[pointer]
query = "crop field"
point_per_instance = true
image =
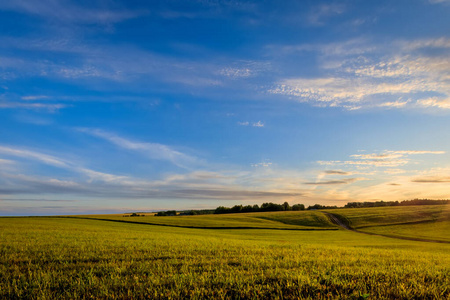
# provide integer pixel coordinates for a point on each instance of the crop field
(251, 257)
(269, 220)
(420, 222)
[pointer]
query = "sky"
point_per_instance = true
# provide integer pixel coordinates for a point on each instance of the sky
(120, 106)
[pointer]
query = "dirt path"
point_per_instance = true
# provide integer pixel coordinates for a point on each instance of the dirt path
(336, 220)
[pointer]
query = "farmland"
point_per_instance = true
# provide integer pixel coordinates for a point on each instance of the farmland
(281, 255)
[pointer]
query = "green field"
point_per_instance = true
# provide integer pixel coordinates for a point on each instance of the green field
(304, 220)
(81, 258)
(421, 222)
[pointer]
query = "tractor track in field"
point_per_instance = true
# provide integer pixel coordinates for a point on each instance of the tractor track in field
(336, 219)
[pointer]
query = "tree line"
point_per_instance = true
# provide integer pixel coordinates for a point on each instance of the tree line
(396, 203)
(270, 206)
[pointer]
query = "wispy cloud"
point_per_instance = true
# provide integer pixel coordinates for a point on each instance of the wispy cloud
(6, 161)
(320, 13)
(68, 11)
(27, 154)
(387, 158)
(122, 64)
(264, 164)
(368, 77)
(35, 97)
(435, 102)
(151, 150)
(49, 107)
(244, 69)
(56, 162)
(253, 124)
(439, 1)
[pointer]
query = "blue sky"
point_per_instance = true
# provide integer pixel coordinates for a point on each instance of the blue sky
(115, 106)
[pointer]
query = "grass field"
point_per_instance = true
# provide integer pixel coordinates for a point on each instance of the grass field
(376, 216)
(67, 258)
(271, 220)
(422, 222)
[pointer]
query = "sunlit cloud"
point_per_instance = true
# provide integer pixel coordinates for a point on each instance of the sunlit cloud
(432, 179)
(258, 124)
(435, 102)
(387, 158)
(337, 172)
(394, 171)
(332, 182)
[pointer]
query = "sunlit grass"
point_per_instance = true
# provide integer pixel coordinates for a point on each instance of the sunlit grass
(48, 258)
(279, 220)
(436, 230)
(375, 216)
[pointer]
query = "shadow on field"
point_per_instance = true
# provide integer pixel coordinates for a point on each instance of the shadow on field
(200, 227)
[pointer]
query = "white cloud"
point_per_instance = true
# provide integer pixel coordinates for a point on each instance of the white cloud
(100, 176)
(369, 77)
(320, 13)
(57, 162)
(50, 107)
(435, 102)
(151, 150)
(6, 161)
(334, 182)
(67, 11)
(439, 1)
(442, 42)
(396, 104)
(387, 158)
(236, 72)
(244, 69)
(258, 124)
(246, 123)
(32, 98)
(264, 164)
(47, 159)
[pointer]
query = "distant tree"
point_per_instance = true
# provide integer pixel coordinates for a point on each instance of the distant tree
(318, 206)
(271, 207)
(286, 206)
(222, 210)
(298, 207)
(166, 213)
(236, 209)
(247, 208)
